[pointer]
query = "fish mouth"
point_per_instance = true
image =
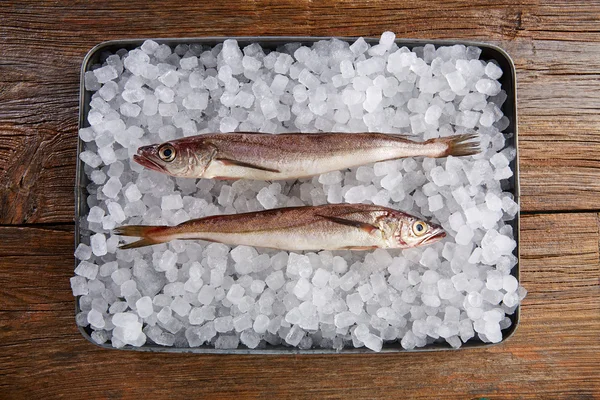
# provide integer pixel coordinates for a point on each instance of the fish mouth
(439, 235)
(146, 162)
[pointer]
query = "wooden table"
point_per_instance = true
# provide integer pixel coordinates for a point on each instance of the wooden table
(555, 352)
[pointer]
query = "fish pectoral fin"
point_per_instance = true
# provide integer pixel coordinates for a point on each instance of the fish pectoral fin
(228, 161)
(357, 224)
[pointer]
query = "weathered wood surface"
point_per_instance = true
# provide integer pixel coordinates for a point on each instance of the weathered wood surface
(556, 350)
(554, 46)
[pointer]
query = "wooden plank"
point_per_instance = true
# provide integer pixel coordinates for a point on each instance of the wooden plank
(30, 274)
(551, 20)
(558, 91)
(553, 354)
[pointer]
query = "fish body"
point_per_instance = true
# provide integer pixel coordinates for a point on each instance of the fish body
(288, 156)
(327, 227)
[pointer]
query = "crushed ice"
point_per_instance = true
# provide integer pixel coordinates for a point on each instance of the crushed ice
(194, 293)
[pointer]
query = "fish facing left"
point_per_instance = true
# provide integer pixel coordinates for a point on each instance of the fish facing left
(327, 227)
(263, 156)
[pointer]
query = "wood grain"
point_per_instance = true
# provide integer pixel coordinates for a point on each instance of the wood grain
(34, 262)
(554, 352)
(554, 46)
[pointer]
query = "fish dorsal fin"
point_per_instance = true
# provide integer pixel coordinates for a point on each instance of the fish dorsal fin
(399, 136)
(228, 161)
(357, 224)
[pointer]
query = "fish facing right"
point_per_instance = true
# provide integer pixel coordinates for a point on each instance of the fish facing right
(327, 227)
(262, 156)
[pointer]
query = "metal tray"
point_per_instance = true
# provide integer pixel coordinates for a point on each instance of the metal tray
(489, 52)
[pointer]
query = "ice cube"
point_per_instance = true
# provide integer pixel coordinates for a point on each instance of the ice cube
(433, 113)
(331, 178)
(409, 341)
(340, 265)
(171, 202)
(87, 270)
(308, 79)
(224, 324)
(456, 81)
(446, 289)
(90, 158)
(430, 277)
(344, 319)
(266, 198)
(106, 73)
(373, 98)
(279, 84)
(79, 286)
(499, 161)
(373, 342)
(96, 319)
(349, 280)
(509, 283)
(196, 101)
(356, 194)
(294, 336)
(112, 187)
(493, 71)
(494, 280)
(321, 277)
(165, 94)
(510, 299)
(365, 174)
(417, 124)
(180, 306)
(227, 342)
(435, 203)
(250, 339)
(488, 87)
(464, 235)
(242, 322)
(431, 300)
(261, 323)
(206, 294)
(235, 293)
(98, 244)
(302, 288)
(275, 280)
(83, 252)
(492, 296)
(189, 63)
(144, 307)
(355, 303)
(242, 254)
(283, 63)
(132, 193)
(359, 46)
(378, 283)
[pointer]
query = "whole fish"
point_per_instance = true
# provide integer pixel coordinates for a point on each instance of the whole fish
(327, 227)
(289, 156)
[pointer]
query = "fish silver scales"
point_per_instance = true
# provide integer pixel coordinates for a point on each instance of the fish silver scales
(289, 156)
(327, 227)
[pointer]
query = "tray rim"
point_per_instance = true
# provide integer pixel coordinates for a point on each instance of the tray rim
(274, 40)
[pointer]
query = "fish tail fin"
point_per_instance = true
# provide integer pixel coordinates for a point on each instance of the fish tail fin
(148, 235)
(460, 145)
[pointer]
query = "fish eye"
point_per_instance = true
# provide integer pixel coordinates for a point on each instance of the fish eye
(166, 153)
(419, 228)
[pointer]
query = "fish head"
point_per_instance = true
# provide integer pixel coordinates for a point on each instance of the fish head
(181, 158)
(409, 231)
